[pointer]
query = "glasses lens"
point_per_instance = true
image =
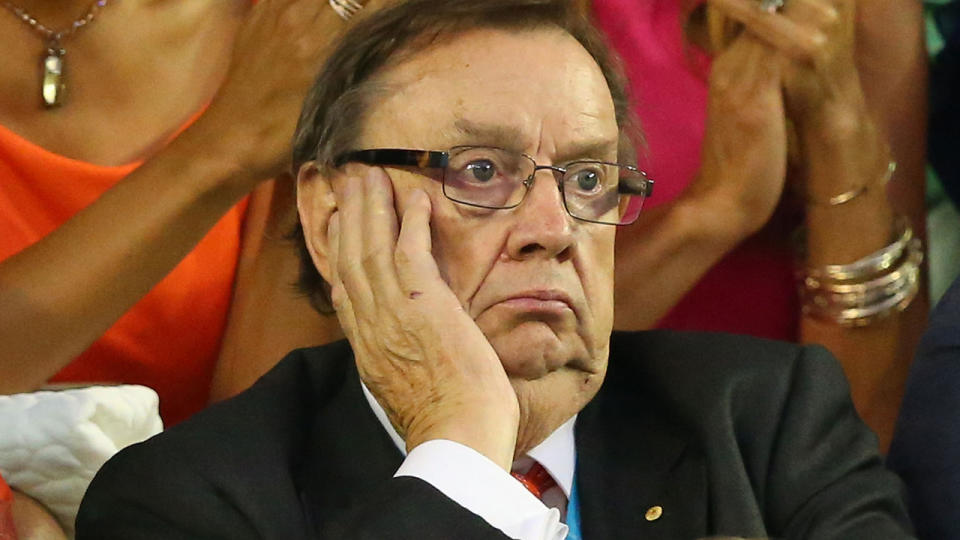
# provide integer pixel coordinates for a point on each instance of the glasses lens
(634, 189)
(485, 176)
(603, 192)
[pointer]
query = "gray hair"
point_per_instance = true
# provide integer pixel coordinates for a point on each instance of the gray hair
(334, 112)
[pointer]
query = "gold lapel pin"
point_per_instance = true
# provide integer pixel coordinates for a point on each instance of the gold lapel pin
(654, 513)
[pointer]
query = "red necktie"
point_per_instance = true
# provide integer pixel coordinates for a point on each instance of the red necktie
(537, 480)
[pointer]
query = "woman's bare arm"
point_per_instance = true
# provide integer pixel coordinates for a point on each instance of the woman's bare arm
(60, 294)
(268, 317)
(892, 64)
(842, 147)
(33, 521)
(740, 181)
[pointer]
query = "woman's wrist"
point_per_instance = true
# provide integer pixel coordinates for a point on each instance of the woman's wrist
(835, 116)
(843, 155)
(216, 166)
(709, 221)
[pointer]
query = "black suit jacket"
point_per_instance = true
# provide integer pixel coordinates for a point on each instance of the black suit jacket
(926, 444)
(729, 435)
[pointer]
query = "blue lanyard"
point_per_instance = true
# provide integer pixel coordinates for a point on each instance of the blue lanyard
(573, 513)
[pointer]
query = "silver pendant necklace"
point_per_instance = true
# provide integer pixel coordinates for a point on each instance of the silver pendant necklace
(52, 84)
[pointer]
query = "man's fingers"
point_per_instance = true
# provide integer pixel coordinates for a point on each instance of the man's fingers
(416, 268)
(797, 41)
(380, 230)
(338, 295)
(349, 191)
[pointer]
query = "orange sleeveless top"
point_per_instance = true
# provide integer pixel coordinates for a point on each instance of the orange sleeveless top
(169, 340)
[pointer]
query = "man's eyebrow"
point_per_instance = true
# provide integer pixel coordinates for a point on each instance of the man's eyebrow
(601, 149)
(506, 137)
(511, 138)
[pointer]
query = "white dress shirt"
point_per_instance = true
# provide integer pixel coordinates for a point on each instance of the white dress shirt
(478, 484)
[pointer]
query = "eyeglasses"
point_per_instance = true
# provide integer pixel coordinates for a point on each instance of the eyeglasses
(494, 178)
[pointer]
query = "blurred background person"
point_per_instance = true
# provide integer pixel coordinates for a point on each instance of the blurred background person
(132, 134)
(926, 444)
(721, 230)
(123, 201)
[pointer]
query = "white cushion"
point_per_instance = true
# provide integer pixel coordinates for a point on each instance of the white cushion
(53, 442)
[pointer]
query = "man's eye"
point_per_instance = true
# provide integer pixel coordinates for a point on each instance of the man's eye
(481, 170)
(586, 180)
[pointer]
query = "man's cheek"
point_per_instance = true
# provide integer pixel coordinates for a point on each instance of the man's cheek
(453, 249)
(441, 245)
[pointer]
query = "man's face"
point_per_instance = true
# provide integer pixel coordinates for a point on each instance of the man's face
(538, 283)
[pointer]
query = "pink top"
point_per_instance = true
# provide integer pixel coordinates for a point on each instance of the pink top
(752, 290)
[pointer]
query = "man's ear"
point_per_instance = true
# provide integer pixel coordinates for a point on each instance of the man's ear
(316, 204)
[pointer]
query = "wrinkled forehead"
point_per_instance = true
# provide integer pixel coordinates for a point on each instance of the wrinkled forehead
(534, 90)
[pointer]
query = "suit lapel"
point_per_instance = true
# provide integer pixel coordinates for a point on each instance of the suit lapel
(349, 454)
(630, 458)
(636, 475)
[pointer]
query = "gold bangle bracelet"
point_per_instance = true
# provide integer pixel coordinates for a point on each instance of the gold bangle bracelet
(858, 317)
(848, 196)
(871, 265)
(869, 289)
(857, 295)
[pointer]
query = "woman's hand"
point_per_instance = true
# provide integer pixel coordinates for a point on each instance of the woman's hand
(816, 39)
(277, 54)
(118, 248)
(744, 152)
(738, 186)
(416, 349)
(823, 85)
(844, 151)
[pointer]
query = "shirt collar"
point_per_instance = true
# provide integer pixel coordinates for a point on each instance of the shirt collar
(557, 453)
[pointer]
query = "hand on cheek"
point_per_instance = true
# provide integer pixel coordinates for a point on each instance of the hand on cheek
(419, 353)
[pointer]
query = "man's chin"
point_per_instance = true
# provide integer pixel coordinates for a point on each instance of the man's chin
(533, 349)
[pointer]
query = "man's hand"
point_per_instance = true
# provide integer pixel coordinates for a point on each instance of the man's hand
(417, 350)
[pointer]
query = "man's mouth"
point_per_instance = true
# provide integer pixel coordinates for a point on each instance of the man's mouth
(546, 301)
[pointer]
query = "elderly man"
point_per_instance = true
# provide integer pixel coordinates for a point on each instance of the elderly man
(460, 182)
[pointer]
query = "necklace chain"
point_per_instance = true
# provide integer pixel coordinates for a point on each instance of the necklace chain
(52, 82)
(54, 37)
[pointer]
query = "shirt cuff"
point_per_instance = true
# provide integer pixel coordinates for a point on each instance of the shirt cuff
(478, 484)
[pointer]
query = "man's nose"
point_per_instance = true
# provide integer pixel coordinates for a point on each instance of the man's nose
(542, 225)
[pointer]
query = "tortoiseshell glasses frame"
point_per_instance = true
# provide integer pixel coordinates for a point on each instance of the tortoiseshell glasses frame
(489, 177)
